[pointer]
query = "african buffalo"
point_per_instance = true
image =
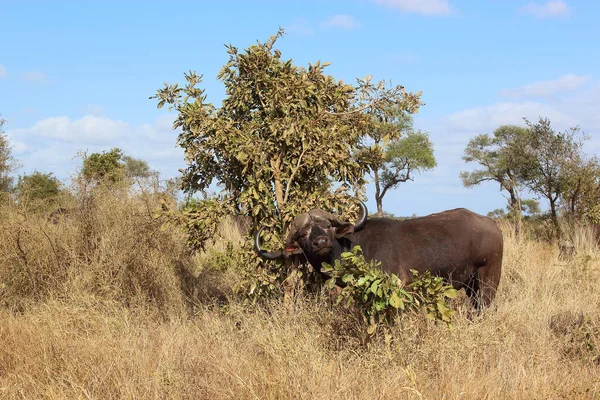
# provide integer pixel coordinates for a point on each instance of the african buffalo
(463, 247)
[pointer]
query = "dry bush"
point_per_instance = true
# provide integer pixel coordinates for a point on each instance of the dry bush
(98, 330)
(111, 245)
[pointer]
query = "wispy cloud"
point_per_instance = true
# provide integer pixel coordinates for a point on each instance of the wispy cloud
(3, 72)
(34, 77)
(87, 129)
(565, 83)
(486, 119)
(550, 9)
(341, 21)
(50, 144)
(423, 7)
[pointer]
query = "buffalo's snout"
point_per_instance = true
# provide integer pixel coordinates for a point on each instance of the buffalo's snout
(321, 242)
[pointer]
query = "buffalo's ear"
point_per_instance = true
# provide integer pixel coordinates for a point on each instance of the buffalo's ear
(291, 249)
(343, 230)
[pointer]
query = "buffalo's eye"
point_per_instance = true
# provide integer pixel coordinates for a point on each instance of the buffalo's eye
(303, 233)
(325, 226)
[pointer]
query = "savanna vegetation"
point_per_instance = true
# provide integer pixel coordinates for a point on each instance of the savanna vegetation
(131, 291)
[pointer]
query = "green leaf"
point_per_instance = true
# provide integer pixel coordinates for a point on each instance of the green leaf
(451, 293)
(395, 301)
(374, 286)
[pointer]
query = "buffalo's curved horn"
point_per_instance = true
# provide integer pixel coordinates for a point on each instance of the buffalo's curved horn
(362, 219)
(265, 254)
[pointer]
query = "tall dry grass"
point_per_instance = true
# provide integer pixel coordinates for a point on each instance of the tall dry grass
(109, 305)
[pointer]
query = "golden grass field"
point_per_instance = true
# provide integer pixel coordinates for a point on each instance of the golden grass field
(109, 305)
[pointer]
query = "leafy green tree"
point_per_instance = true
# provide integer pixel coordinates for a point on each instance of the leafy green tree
(7, 162)
(394, 152)
(529, 208)
(281, 142)
(114, 167)
(502, 158)
(403, 159)
(282, 139)
(136, 168)
(581, 198)
(38, 189)
(551, 159)
(106, 167)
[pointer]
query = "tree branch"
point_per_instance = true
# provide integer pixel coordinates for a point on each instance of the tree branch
(294, 171)
(355, 111)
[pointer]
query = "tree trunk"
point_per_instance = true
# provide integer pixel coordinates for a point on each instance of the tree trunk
(378, 196)
(515, 205)
(275, 164)
(554, 215)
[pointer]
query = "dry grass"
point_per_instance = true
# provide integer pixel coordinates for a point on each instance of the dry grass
(96, 308)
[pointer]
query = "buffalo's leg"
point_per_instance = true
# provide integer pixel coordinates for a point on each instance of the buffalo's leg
(485, 284)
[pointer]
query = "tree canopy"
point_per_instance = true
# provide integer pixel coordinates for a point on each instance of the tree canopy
(550, 164)
(502, 157)
(38, 190)
(113, 167)
(282, 141)
(552, 161)
(393, 152)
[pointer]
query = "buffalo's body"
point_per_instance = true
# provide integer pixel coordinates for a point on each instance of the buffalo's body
(459, 245)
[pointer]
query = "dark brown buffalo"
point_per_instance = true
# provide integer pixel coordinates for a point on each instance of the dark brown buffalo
(463, 247)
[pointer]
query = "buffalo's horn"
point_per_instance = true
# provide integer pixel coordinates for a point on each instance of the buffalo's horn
(265, 254)
(362, 219)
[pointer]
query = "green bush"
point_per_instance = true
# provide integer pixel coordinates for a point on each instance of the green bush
(381, 295)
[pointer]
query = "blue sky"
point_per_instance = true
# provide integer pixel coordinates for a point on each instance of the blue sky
(76, 76)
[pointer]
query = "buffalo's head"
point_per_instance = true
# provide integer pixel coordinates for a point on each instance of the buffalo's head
(315, 235)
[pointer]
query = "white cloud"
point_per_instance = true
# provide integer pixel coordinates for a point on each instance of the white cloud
(50, 145)
(299, 26)
(34, 77)
(424, 7)
(3, 72)
(486, 119)
(88, 129)
(565, 83)
(342, 21)
(550, 9)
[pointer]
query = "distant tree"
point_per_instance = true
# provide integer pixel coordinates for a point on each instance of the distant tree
(503, 158)
(106, 167)
(38, 189)
(529, 208)
(403, 159)
(393, 152)
(7, 163)
(498, 213)
(113, 167)
(552, 157)
(136, 168)
(581, 197)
